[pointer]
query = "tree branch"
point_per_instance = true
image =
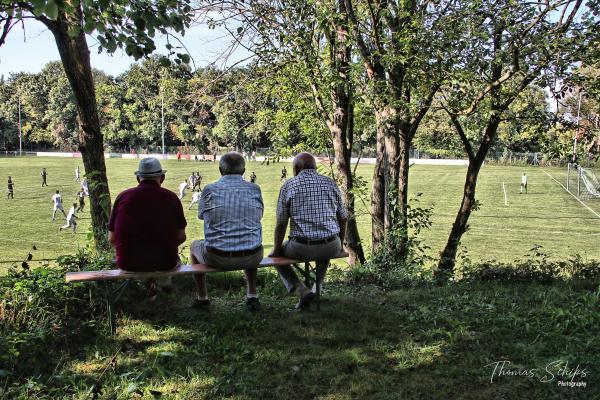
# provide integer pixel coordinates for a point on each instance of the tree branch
(462, 135)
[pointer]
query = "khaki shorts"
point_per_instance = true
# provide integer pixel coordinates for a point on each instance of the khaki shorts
(198, 249)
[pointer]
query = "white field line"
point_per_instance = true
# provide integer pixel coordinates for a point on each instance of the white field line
(575, 197)
(505, 196)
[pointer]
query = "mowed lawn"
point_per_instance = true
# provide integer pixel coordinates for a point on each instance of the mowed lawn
(546, 216)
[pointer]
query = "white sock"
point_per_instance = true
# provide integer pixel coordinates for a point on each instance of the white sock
(202, 297)
(251, 296)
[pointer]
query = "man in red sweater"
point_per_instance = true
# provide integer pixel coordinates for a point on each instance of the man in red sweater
(147, 223)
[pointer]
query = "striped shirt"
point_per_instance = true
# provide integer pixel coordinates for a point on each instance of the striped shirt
(232, 209)
(313, 204)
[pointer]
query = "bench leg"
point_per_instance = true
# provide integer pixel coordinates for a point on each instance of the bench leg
(320, 271)
(111, 297)
(108, 297)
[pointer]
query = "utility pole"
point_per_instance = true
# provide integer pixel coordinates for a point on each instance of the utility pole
(20, 136)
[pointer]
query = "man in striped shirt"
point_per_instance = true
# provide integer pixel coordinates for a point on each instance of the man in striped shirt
(312, 203)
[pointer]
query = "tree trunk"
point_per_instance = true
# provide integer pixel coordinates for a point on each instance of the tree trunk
(341, 127)
(344, 167)
(391, 163)
(404, 157)
(378, 188)
(448, 255)
(75, 58)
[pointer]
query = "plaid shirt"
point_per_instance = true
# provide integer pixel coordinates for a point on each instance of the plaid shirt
(232, 209)
(313, 203)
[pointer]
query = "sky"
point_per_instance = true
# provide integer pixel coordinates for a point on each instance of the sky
(30, 49)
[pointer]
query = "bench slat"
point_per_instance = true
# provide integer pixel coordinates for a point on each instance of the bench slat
(186, 269)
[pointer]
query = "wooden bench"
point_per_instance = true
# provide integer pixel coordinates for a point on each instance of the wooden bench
(107, 277)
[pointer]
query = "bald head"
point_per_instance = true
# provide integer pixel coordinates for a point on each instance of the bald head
(304, 161)
(232, 163)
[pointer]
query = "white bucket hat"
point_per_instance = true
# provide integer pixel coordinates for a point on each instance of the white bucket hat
(149, 167)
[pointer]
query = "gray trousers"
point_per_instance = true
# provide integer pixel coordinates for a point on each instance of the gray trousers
(226, 263)
(322, 253)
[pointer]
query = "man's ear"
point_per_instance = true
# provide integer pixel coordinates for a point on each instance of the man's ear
(162, 178)
(243, 171)
(221, 171)
(138, 179)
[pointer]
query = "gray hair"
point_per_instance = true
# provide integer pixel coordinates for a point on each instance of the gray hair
(232, 163)
(304, 161)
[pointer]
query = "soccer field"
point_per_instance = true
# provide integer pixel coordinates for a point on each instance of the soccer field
(504, 228)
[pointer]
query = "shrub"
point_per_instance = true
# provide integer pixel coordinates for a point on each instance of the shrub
(40, 314)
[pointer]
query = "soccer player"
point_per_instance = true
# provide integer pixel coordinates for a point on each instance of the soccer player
(195, 198)
(182, 186)
(70, 219)
(84, 187)
(81, 198)
(253, 177)
(198, 181)
(283, 174)
(77, 175)
(11, 185)
(523, 183)
(192, 181)
(57, 201)
(44, 175)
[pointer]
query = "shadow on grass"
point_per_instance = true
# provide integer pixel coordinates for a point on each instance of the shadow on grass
(430, 343)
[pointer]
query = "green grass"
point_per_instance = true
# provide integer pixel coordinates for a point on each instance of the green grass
(365, 343)
(546, 216)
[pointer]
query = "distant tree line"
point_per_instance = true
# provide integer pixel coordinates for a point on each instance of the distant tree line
(240, 108)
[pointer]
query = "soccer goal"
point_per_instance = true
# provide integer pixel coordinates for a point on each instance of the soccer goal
(582, 182)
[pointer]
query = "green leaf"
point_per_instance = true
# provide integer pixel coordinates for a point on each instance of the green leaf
(51, 10)
(89, 26)
(185, 58)
(164, 62)
(38, 4)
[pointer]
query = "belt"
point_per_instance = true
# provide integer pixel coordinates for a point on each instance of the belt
(238, 253)
(314, 241)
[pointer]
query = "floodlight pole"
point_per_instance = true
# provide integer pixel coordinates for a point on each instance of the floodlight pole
(162, 120)
(577, 126)
(20, 136)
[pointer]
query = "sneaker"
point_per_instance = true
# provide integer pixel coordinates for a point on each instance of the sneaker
(305, 301)
(252, 304)
(200, 304)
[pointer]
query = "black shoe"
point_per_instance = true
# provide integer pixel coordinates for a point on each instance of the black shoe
(252, 304)
(200, 304)
(305, 301)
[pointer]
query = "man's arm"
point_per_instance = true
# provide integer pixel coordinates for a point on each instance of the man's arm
(342, 223)
(281, 221)
(180, 236)
(278, 237)
(111, 237)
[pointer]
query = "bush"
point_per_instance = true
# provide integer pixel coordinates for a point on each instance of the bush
(40, 314)
(387, 266)
(534, 267)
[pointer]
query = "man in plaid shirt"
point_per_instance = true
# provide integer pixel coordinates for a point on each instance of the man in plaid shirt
(312, 203)
(231, 209)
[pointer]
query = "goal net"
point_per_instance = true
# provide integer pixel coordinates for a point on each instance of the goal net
(582, 182)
